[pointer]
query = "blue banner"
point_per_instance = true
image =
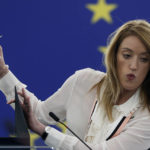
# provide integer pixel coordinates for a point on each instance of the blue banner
(45, 41)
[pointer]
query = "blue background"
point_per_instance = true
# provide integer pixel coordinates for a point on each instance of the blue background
(45, 41)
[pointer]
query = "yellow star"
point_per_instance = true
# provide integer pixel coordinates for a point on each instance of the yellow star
(62, 127)
(101, 10)
(102, 49)
(33, 137)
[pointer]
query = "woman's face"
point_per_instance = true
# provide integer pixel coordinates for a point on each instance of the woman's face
(133, 63)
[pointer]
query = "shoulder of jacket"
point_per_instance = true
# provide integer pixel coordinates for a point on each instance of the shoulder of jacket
(90, 72)
(88, 77)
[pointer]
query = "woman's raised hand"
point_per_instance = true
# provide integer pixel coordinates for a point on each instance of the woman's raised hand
(3, 66)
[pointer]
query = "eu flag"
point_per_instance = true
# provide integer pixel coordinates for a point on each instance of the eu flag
(45, 41)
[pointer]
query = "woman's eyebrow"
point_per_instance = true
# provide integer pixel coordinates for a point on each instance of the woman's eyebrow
(127, 49)
(130, 50)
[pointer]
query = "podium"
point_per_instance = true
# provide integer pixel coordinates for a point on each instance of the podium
(22, 137)
(21, 140)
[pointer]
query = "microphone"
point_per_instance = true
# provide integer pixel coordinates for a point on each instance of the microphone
(57, 120)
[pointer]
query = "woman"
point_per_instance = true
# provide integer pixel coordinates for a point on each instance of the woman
(108, 111)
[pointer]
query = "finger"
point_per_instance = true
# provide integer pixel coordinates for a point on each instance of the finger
(1, 55)
(1, 52)
(26, 108)
(23, 91)
(26, 98)
(25, 95)
(11, 101)
(22, 105)
(26, 103)
(21, 94)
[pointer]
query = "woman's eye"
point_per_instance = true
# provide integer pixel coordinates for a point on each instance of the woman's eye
(126, 56)
(144, 59)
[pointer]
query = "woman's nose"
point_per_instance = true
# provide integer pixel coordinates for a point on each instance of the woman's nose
(134, 64)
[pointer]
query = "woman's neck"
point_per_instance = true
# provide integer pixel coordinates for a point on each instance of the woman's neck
(124, 96)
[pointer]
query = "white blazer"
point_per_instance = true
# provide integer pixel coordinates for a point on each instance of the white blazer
(73, 103)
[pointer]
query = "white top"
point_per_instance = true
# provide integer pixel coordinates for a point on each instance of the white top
(73, 102)
(99, 120)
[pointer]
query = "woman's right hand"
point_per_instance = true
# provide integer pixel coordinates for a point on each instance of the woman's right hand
(32, 122)
(3, 67)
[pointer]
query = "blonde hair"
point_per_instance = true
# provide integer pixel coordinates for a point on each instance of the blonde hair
(141, 29)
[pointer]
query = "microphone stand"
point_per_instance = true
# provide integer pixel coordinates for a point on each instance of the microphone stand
(57, 120)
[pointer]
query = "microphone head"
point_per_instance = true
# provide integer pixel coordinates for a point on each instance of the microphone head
(54, 116)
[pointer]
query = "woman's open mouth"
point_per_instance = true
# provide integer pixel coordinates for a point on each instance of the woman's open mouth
(130, 76)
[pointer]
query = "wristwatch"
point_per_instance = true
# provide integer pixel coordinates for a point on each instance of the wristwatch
(46, 132)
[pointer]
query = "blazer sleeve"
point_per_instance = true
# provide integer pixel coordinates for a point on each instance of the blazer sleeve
(55, 103)
(59, 101)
